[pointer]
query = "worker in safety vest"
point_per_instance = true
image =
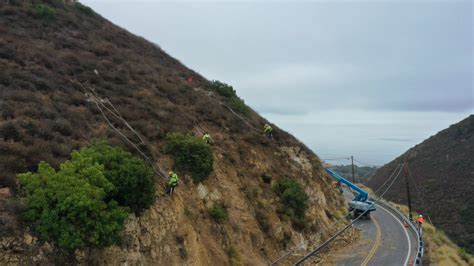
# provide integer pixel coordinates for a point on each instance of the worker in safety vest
(268, 130)
(420, 220)
(172, 182)
(206, 138)
(337, 185)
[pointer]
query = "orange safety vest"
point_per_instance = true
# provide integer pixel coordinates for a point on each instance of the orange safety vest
(421, 220)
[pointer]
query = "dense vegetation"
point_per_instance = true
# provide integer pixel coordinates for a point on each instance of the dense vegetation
(191, 154)
(45, 12)
(218, 212)
(86, 201)
(293, 198)
(132, 178)
(227, 91)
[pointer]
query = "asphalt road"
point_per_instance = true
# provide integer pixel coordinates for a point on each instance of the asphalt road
(384, 241)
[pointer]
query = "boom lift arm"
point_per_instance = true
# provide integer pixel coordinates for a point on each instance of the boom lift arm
(360, 204)
(362, 194)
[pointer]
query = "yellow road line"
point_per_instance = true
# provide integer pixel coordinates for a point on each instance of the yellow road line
(378, 238)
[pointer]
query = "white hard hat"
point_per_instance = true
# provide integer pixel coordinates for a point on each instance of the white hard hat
(420, 215)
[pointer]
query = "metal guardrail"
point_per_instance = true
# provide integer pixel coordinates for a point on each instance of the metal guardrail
(375, 201)
(418, 232)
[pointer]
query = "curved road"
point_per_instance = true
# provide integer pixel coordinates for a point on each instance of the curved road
(384, 241)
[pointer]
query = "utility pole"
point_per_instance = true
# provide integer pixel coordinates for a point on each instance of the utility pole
(352, 161)
(408, 192)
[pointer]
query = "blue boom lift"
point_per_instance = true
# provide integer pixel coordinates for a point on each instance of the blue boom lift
(360, 203)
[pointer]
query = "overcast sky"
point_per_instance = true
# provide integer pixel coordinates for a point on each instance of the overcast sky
(369, 78)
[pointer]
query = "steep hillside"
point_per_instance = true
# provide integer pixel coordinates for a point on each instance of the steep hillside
(55, 55)
(441, 181)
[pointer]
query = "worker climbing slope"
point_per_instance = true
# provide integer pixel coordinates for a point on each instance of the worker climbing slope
(207, 138)
(172, 182)
(268, 130)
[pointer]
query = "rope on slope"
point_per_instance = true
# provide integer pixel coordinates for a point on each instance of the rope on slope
(92, 97)
(231, 110)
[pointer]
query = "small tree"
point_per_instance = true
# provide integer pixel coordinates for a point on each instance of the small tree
(68, 206)
(225, 90)
(191, 154)
(9, 132)
(84, 9)
(218, 213)
(45, 12)
(293, 197)
(132, 179)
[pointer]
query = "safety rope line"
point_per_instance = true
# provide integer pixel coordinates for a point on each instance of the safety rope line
(116, 113)
(328, 241)
(230, 109)
(94, 98)
(330, 227)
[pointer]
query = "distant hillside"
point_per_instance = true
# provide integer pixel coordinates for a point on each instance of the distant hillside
(361, 173)
(442, 182)
(55, 54)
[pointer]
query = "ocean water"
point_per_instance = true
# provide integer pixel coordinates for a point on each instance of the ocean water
(373, 138)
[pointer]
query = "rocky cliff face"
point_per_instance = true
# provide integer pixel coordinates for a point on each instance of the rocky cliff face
(47, 62)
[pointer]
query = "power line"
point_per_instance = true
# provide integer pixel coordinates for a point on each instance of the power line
(332, 159)
(304, 243)
(366, 164)
(328, 241)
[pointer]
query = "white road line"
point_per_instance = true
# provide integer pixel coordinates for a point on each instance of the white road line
(406, 233)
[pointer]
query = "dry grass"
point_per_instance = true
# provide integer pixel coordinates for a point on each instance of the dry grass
(441, 170)
(46, 116)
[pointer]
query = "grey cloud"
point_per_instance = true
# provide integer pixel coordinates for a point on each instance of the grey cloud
(364, 55)
(288, 59)
(401, 139)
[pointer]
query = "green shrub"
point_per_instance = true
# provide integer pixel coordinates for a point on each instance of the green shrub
(69, 208)
(239, 105)
(84, 9)
(45, 12)
(234, 257)
(9, 132)
(262, 219)
(293, 197)
(225, 90)
(464, 255)
(86, 201)
(191, 154)
(133, 182)
(218, 213)
(266, 178)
